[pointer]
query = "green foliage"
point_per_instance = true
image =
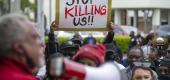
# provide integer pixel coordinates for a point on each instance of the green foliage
(46, 38)
(122, 41)
(26, 4)
(1, 2)
(62, 39)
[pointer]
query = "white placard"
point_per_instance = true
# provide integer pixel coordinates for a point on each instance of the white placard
(82, 14)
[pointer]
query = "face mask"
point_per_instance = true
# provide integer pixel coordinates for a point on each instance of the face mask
(160, 47)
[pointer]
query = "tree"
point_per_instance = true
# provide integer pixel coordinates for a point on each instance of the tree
(27, 7)
(28, 4)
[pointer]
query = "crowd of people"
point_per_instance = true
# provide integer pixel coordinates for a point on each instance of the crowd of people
(24, 55)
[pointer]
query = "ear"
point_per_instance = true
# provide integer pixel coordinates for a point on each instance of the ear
(18, 48)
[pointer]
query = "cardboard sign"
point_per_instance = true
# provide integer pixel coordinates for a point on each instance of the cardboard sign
(83, 15)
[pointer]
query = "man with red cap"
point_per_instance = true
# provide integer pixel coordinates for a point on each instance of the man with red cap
(91, 55)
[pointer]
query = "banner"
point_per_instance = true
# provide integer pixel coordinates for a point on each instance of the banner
(83, 15)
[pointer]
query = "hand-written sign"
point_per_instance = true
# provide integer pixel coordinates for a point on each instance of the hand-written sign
(82, 14)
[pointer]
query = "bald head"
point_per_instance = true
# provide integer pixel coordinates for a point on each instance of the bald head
(11, 30)
(135, 54)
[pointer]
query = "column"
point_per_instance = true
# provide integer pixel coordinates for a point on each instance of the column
(117, 17)
(135, 21)
(156, 18)
(15, 6)
(127, 18)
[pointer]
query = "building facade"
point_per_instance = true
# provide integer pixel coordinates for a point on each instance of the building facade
(143, 14)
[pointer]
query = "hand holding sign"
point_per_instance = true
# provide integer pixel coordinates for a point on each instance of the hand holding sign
(82, 14)
(54, 26)
(111, 25)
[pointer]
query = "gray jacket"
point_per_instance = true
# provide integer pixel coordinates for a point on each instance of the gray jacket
(126, 73)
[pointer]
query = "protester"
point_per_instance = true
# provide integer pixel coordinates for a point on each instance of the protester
(21, 48)
(135, 54)
(168, 51)
(77, 39)
(112, 56)
(69, 48)
(164, 69)
(154, 59)
(160, 45)
(139, 39)
(132, 41)
(52, 45)
(142, 73)
(109, 40)
(91, 55)
(77, 35)
(147, 44)
(90, 40)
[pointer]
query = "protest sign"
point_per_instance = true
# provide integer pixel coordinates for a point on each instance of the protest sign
(83, 15)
